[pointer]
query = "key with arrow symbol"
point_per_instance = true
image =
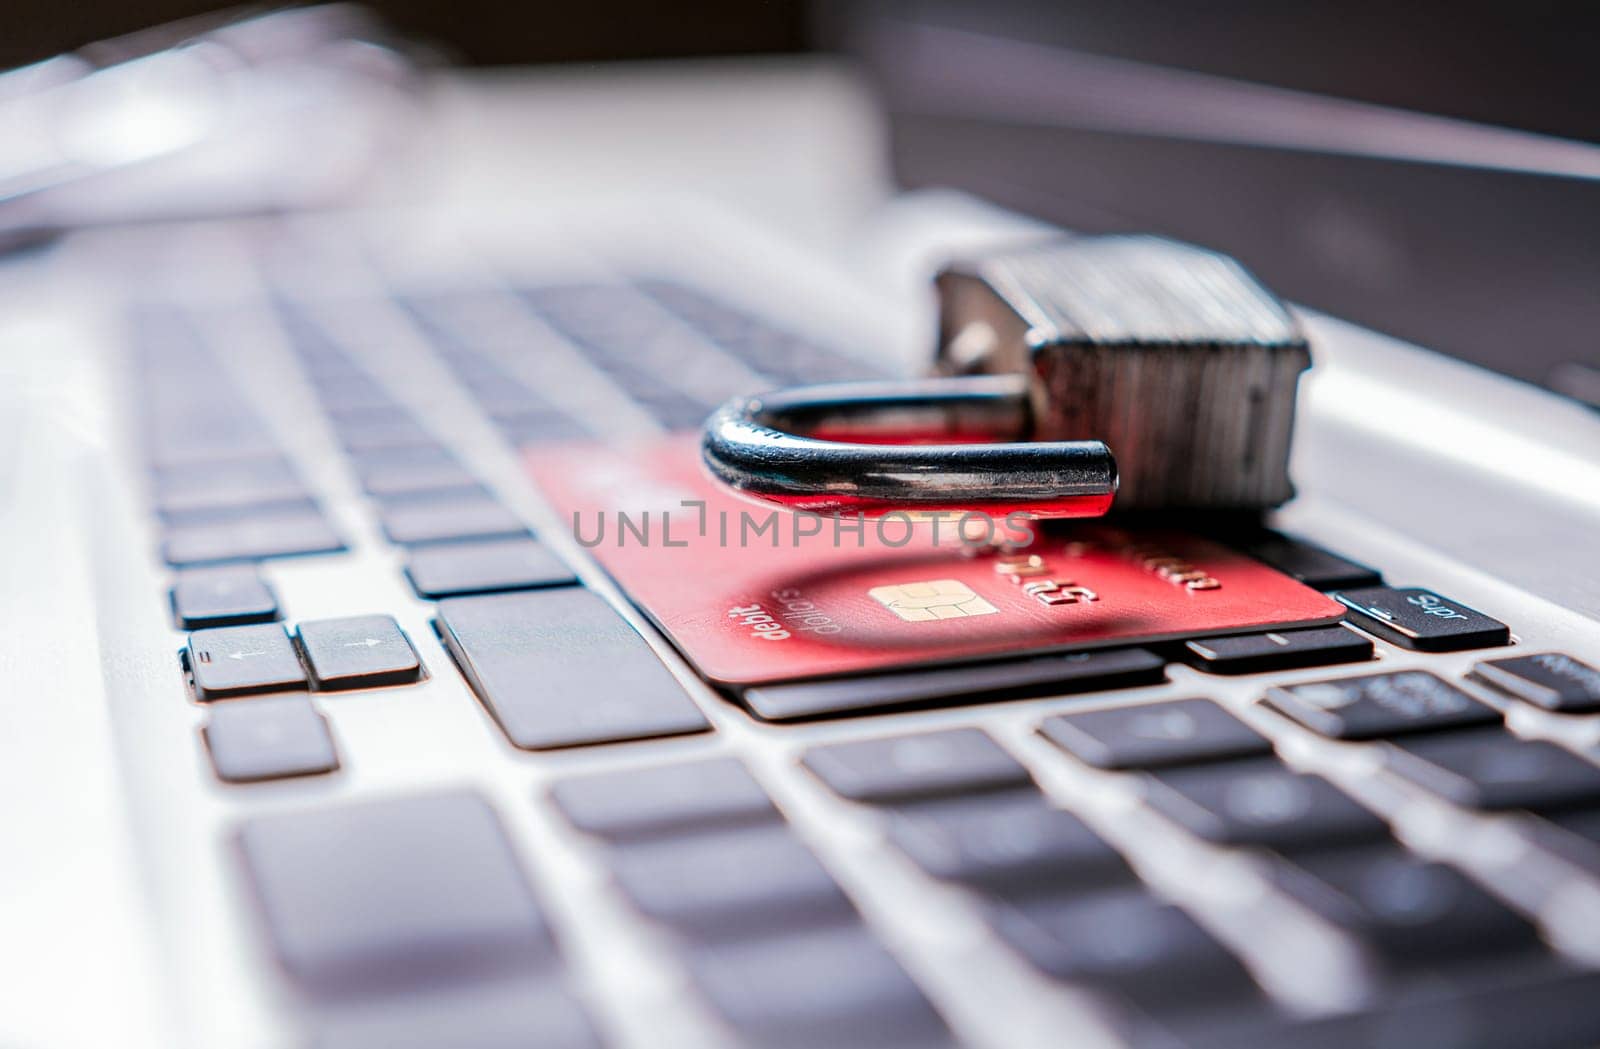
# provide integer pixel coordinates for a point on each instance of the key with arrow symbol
(243, 661)
(358, 652)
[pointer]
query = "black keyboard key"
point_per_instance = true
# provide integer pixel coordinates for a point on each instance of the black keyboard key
(560, 668)
(397, 482)
(379, 459)
(358, 652)
(1551, 680)
(395, 894)
(1492, 769)
(905, 768)
(242, 661)
(454, 569)
(734, 883)
(1407, 909)
(1151, 735)
(677, 411)
(208, 597)
(399, 472)
(1572, 834)
(1414, 618)
(1260, 801)
(1311, 564)
(268, 737)
(228, 485)
(832, 986)
(1128, 943)
(367, 416)
(446, 519)
(370, 435)
(1277, 650)
(204, 446)
(170, 519)
(252, 538)
(354, 392)
(1530, 1007)
(664, 799)
(511, 1013)
(1014, 843)
(1380, 705)
(532, 428)
(1075, 672)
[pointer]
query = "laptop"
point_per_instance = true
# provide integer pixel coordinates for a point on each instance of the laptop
(383, 672)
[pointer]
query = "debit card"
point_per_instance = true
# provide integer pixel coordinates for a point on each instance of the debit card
(752, 594)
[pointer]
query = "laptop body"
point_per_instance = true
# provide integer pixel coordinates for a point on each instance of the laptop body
(175, 901)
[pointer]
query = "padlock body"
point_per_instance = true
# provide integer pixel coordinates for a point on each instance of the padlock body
(1173, 355)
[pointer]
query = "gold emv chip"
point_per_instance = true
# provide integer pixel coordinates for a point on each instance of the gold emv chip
(934, 599)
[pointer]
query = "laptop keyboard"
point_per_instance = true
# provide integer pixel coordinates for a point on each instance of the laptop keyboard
(413, 920)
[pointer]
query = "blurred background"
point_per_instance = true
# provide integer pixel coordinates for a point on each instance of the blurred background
(1523, 64)
(1429, 169)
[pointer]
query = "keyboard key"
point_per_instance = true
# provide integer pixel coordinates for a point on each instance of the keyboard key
(253, 538)
(1492, 769)
(1572, 834)
(354, 392)
(395, 894)
(204, 446)
(511, 1013)
(531, 428)
(1277, 650)
(1409, 910)
(413, 456)
(1420, 619)
(1075, 672)
(1013, 843)
(398, 472)
(170, 519)
(207, 597)
(445, 519)
(1154, 734)
(732, 883)
(368, 435)
(454, 569)
(451, 479)
(1379, 705)
(228, 485)
(904, 768)
(358, 652)
(673, 410)
(1311, 564)
(367, 416)
(832, 986)
(1551, 680)
(560, 668)
(1260, 801)
(1125, 942)
(268, 737)
(1530, 1007)
(664, 799)
(242, 661)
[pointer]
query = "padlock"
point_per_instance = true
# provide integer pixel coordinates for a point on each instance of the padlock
(1072, 367)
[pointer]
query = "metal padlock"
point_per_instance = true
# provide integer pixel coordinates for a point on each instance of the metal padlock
(1074, 365)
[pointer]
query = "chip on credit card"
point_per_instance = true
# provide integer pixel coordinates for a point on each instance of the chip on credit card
(752, 594)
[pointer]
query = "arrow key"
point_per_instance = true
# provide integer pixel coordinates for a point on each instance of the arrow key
(243, 661)
(359, 652)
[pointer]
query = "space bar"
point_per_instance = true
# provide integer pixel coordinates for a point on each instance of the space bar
(1041, 675)
(560, 668)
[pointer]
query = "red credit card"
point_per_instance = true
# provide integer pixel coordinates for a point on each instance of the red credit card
(750, 597)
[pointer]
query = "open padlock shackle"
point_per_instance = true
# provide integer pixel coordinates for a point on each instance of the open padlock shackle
(925, 446)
